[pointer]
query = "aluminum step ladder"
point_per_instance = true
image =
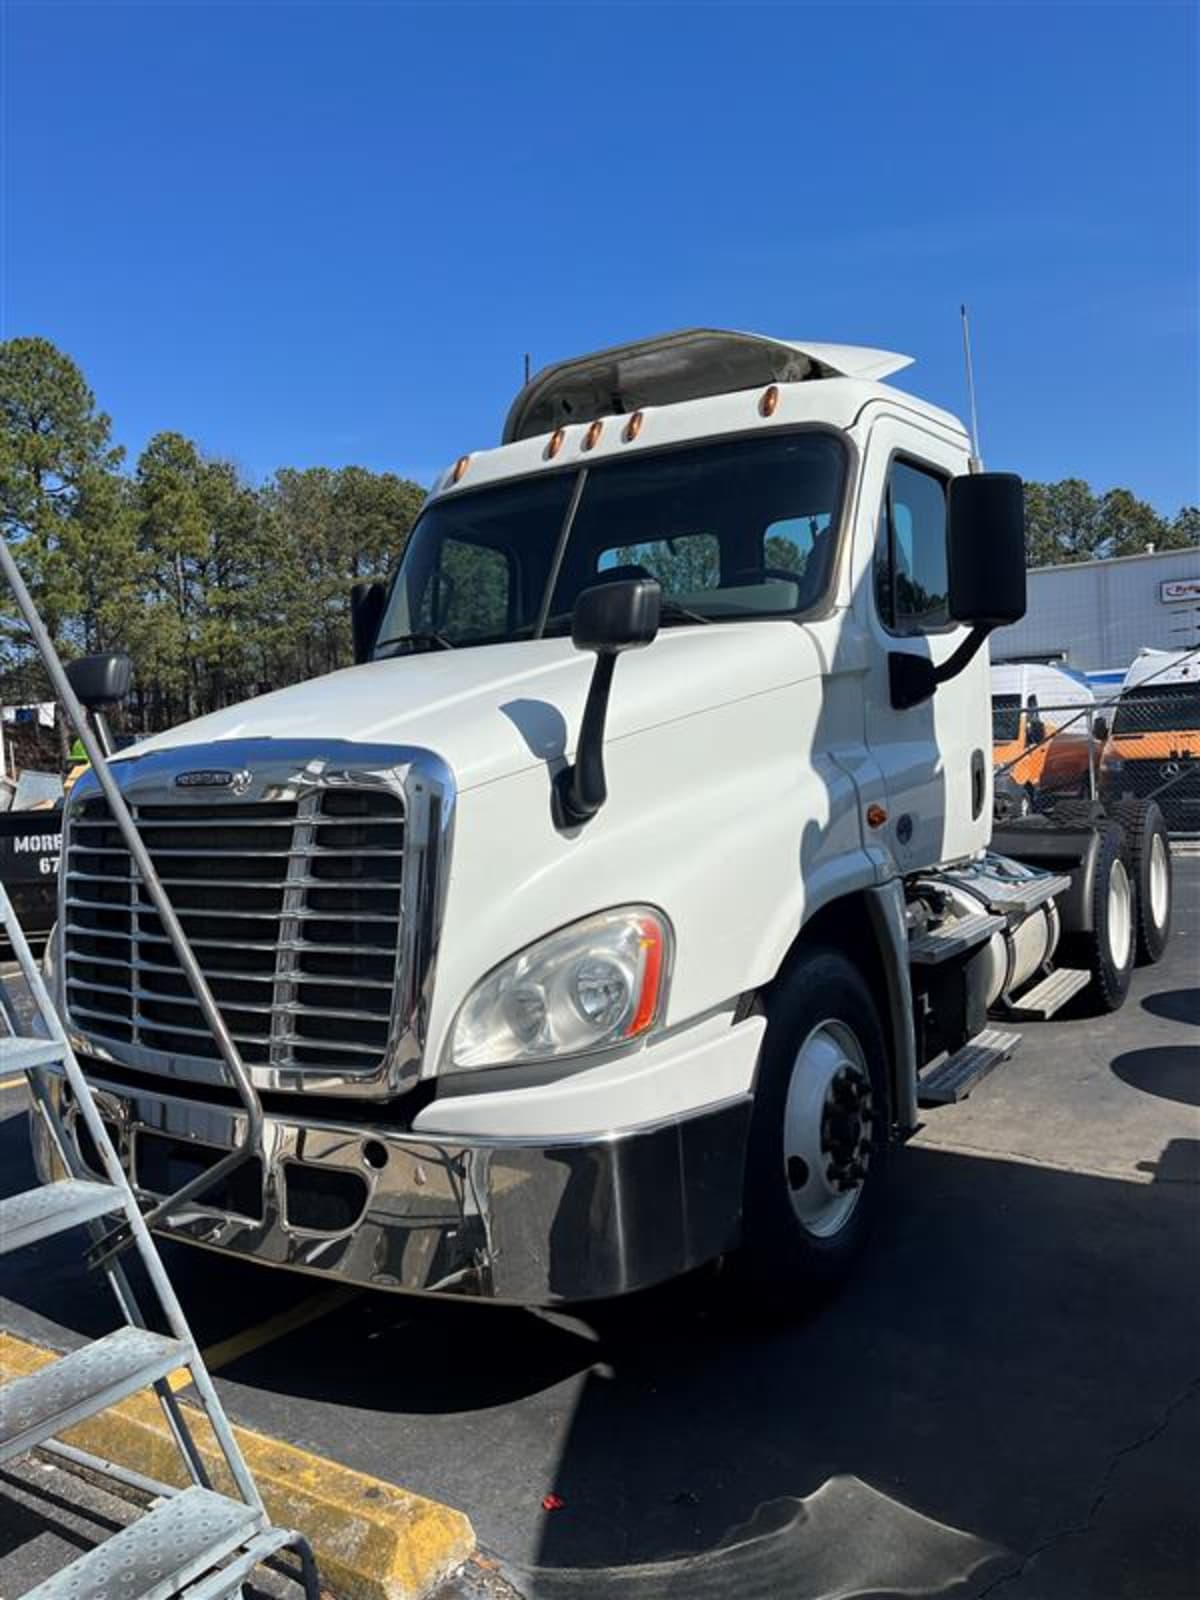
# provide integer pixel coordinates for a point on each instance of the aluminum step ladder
(190, 1544)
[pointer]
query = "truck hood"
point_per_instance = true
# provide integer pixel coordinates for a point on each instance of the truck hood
(493, 710)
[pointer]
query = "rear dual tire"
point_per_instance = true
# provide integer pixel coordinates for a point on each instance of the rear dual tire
(1107, 948)
(1148, 862)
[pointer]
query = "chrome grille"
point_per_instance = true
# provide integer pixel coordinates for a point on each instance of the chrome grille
(291, 905)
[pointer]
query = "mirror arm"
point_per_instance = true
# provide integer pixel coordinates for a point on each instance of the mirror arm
(581, 788)
(914, 679)
(103, 732)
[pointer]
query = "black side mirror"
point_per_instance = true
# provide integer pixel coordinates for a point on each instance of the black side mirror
(100, 681)
(985, 547)
(609, 618)
(612, 617)
(367, 600)
(1100, 730)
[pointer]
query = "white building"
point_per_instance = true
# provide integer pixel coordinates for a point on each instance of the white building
(1096, 615)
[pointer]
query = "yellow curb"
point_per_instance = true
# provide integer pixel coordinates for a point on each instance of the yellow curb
(372, 1540)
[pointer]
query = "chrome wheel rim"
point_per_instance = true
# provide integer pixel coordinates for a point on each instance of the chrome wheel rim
(828, 1126)
(1160, 882)
(1120, 916)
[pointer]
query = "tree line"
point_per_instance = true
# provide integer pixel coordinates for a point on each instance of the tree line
(220, 588)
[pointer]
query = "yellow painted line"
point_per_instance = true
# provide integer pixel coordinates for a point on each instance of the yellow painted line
(372, 1539)
(311, 1309)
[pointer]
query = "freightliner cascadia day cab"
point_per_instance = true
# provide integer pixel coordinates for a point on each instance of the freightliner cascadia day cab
(619, 909)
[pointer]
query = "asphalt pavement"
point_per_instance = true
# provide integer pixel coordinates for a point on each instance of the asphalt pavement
(1006, 1400)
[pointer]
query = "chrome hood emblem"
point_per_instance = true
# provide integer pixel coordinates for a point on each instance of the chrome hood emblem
(215, 778)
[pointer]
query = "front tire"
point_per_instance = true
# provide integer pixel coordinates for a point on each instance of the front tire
(1148, 858)
(818, 1132)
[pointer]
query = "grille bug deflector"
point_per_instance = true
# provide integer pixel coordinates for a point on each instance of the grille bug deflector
(308, 878)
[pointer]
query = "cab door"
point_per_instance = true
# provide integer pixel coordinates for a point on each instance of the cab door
(934, 757)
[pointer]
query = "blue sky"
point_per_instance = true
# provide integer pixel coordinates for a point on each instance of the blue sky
(326, 233)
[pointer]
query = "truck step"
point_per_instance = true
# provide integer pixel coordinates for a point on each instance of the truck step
(1021, 895)
(1048, 996)
(161, 1554)
(55, 1207)
(18, 1054)
(954, 1078)
(953, 938)
(87, 1381)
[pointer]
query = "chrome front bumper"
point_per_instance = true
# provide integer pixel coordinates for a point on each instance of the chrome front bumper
(531, 1224)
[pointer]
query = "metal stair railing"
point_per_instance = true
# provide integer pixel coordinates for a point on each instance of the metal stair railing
(195, 1543)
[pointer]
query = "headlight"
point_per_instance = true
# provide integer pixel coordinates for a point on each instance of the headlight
(587, 987)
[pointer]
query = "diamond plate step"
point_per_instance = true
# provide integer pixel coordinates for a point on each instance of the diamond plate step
(1051, 995)
(18, 1054)
(55, 1207)
(81, 1384)
(953, 938)
(954, 1078)
(158, 1556)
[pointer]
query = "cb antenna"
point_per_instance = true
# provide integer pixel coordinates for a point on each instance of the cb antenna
(528, 365)
(976, 457)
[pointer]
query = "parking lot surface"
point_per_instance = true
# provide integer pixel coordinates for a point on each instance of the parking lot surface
(1006, 1400)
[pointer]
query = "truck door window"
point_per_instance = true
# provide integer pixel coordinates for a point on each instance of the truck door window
(910, 554)
(1006, 718)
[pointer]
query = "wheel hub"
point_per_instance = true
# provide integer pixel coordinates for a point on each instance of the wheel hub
(846, 1129)
(829, 1125)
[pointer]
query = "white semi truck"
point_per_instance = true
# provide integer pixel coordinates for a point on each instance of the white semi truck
(557, 974)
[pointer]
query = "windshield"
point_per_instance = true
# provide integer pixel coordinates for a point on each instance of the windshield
(1166, 708)
(1006, 717)
(732, 530)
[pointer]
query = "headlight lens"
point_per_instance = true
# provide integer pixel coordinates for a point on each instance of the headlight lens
(587, 987)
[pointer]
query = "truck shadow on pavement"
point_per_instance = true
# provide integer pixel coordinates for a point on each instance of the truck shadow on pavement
(1018, 1338)
(1175, 1005)
(1169, 1070)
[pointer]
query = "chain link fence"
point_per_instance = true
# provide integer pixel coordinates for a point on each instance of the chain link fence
(1140, 743)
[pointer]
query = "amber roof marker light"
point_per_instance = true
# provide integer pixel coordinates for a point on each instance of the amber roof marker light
(460, 469)
(555, 443)
(769, 403)
(592, 437)
(633, 427)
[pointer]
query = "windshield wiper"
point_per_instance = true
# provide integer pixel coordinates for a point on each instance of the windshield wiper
(418, 641)
(672, 611)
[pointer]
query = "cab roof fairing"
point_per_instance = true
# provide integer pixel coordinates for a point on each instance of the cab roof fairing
(679, 366)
